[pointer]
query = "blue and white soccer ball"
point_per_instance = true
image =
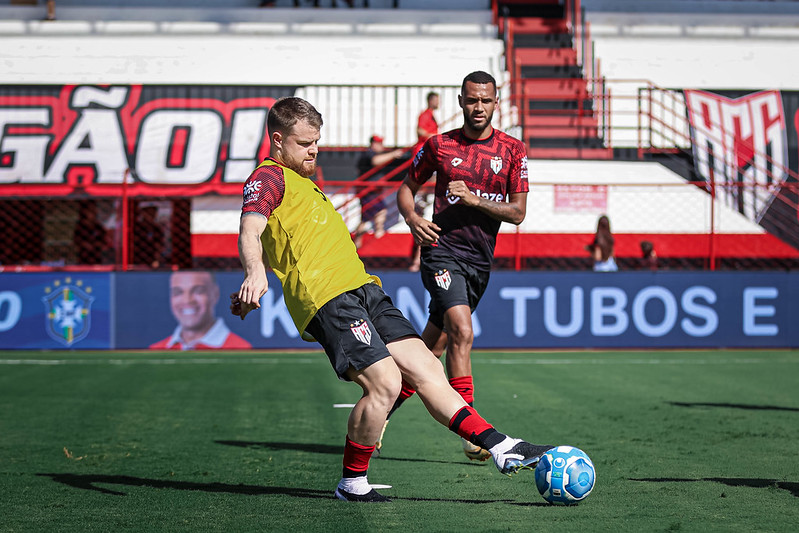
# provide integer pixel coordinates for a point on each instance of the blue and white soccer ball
(565, 475)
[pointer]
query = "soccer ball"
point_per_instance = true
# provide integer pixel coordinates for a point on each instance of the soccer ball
(565, 475)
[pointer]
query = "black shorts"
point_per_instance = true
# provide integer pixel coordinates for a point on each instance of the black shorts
(355, 327)
(450, 281)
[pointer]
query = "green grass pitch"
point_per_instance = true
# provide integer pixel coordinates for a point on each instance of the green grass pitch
(110, 441)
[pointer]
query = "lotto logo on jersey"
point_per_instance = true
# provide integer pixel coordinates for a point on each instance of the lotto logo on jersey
(360, 328)
(443, 279)
(251, 191)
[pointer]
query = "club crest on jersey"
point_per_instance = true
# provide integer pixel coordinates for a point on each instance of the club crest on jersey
(496, 164)
(443, 279)
(456, 161)
(360, 328)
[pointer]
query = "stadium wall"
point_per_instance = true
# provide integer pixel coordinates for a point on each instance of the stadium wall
(89, 310)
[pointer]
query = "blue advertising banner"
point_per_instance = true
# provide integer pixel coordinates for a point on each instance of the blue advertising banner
(55, 311)
(624, 309)
(190, 310)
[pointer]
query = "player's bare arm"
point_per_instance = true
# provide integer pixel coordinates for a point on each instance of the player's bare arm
(512, 211)
(424, 231)
(253, 261)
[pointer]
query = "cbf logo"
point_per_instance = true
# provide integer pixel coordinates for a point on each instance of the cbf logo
(68, 306)
(443, 279)
(360, 328)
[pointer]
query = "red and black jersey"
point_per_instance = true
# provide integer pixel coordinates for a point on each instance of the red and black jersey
(264, 190)
(492, 168)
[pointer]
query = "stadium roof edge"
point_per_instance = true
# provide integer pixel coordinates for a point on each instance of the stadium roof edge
(273, 15)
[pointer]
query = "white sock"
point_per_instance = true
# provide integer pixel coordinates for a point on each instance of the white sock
(355, 485)
(504, 446)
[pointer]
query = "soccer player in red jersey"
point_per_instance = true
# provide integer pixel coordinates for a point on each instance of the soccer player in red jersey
(481, 181)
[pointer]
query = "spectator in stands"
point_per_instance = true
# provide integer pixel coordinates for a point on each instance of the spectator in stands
(648, 255)
(426, 127)
(373, 204)
(192, 298)
(481, 181)
(148, 237)
(90, 236)
(50, 10)
(602, 247)
(426, 124)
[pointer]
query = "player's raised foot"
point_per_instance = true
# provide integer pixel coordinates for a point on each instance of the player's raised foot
(370, 497)
(474, 452)
(379, 443)
(520, 455)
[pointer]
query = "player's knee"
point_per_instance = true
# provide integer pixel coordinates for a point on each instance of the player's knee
(461, 332)
(387, 388)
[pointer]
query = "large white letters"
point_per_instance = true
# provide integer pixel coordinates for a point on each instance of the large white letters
(201, 152)
(10, 309)
(691, 307)
(608, 302)
(608, 310)
(272, 310)
(26, 151)
(752, 311)
(639, 311)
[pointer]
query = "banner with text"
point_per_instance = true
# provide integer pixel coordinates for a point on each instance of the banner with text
(190, 310)
(198, 139)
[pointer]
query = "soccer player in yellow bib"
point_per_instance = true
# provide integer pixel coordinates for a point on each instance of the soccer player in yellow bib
(288, 224)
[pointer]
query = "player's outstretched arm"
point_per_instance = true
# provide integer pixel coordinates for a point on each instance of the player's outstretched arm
(513, 211)
(252, 259)
(424, 231)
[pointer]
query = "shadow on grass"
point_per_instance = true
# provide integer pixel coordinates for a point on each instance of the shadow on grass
(735, 406)
(790, 486)
(323, 448)
(91, 481)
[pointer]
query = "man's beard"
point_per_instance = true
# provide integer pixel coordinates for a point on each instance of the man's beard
(473, 125)
(300, 168)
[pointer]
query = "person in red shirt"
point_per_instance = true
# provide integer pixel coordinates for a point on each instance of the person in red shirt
(426, 127)
(481, 181)
(192, 298)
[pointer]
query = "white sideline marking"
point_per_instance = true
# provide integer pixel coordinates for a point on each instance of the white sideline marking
(610, 361)
(134, 361)
(297, 360)
(343, 405)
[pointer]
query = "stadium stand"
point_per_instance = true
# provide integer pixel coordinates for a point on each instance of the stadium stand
(595, 89)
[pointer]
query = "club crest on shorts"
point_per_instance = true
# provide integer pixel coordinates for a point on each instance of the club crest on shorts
(496, 164)
(360, 328)
(443, 279)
